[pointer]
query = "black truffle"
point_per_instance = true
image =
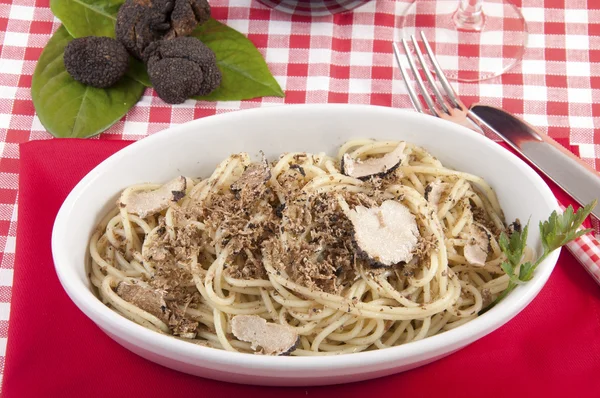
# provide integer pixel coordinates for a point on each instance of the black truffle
(96, 61)
(181, 68)
(141, 22)
(186, 15)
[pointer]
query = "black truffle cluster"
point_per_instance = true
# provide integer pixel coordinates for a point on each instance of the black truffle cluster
(141, 22)
(96, 61)
(153, 31)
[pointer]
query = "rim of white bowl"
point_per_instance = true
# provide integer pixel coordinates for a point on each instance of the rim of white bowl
(187, 352)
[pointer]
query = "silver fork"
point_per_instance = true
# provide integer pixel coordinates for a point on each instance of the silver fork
(448, 106)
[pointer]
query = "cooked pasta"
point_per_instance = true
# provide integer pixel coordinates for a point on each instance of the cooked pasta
(284, 241)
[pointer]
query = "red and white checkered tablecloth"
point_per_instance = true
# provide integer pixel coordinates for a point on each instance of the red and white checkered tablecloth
(345, 58)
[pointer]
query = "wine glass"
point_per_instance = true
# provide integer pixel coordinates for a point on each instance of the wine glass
(473, 39)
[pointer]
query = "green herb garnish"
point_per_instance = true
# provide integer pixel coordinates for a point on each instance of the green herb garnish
(556, 232)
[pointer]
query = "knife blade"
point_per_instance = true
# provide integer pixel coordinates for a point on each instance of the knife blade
(568, 171)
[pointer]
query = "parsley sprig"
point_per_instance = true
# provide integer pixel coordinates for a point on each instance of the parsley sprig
(555, 232)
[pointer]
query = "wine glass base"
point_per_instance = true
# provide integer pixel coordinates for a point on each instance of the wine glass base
(469, 55)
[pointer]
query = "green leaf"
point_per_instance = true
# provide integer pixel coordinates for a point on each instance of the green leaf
(68, 108)
(547, 231)
(526, 271)
(508, 268)
(504, 242)
(555, 232)
(137, 71)
(514, 246)
(583, 213)
(510, 271)
(245, 72)
(87, 17)
(559, 230)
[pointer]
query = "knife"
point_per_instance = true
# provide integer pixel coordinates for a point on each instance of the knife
(568, 171)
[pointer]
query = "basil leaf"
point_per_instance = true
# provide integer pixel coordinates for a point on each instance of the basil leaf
(245, 72)
(87, 17)
(68, 108)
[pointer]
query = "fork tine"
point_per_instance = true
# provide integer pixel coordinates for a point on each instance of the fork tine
(442, 77)
(419, 80)
(428, 75)
(411, 92)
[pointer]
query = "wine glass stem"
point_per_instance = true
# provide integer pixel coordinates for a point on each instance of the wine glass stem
(469, 15)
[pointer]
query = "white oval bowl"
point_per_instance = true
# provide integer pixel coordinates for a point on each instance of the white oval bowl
(195, 148)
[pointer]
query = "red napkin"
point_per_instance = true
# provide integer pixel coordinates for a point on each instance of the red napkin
(551, 349)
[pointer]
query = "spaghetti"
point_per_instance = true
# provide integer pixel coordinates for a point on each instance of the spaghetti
(274, 240)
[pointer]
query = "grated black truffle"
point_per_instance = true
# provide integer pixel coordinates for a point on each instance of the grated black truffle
(181, 68)
(96, 61)
(141, 22)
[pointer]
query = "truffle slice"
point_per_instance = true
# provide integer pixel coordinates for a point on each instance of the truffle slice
(274, 339)
(150, 300)
(386, 234)
(96, 61)
(381, 166)
(153, 249)
(253, 179)
(145, 203)
(477, 248)
(434, 191)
